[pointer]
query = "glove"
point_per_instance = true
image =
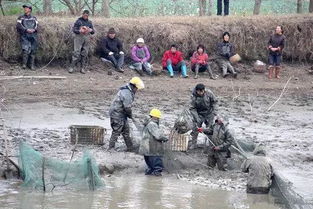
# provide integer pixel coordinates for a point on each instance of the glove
(111, 53)
(200, 130)
(121, 52)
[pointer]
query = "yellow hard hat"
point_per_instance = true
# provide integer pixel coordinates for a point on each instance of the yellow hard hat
(155, 113)
(137, 82)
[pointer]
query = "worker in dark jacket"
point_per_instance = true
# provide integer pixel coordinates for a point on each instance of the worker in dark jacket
(112, 50)
(225, 50)
(121, 110)
(260, 172)
(275, 45)
(27, 28)
(82, 29)
(203, 107)
(151, 145)
(221, 139)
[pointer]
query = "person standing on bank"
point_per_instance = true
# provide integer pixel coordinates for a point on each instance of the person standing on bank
(220, 6)
(82, 29)
(275, 45)
(27, 28)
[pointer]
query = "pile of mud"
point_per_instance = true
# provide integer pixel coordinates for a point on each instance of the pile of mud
(249, 34)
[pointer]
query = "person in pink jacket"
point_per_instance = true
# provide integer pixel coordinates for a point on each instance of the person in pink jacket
(140, 57)
(199, 62)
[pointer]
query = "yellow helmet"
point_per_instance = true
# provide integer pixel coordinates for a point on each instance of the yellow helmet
(155, 113)
(137, 82)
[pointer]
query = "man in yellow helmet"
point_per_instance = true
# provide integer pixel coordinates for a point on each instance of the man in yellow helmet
(121, 110)
(151, 146)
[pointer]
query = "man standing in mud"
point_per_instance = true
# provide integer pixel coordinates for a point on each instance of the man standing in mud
(121, 110)
(260, 172)
(203, 107)
(27, 28)
(82, 29)
(220, 139)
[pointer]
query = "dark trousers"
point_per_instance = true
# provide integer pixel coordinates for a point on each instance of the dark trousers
(274, 59)
(116, 59)
(217, 158)
(155, 165)
(120, 126)
(29, 44)
(220, 6)
(258, 190)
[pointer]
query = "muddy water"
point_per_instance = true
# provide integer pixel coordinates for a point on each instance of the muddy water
(134, 192)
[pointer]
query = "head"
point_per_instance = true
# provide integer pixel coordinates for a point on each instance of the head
(200, 89)
(259, 150)
(200, 49)
(226, 36)
(111, 33)
(85, 14)
(136, 83)
(279, 30)
(173, 48)
(140, 42)
(155, 114)
(27, 9)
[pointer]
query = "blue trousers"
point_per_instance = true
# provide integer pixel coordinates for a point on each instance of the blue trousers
(155, 165)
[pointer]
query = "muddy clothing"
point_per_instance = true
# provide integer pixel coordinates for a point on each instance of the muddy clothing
(152, 139)
(28, 40)
(220, 6)
(81, 41)
(120, 110)
(226, 67)
(277, 41)
(260, 172)
(151, 146)
(222, 138)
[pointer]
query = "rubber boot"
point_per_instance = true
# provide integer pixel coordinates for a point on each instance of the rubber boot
(170, 70)
(211, 74)
(72, 67)
(184, 71)
(270, 72)
(196, 72)
(84, 65)
(277, 72)
(32, 62)
(25, 59)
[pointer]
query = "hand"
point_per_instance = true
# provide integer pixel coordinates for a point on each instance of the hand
(30, 30)
(274, 49)
(216, 148)
(121, 52)
(200, 130)
(111, 53)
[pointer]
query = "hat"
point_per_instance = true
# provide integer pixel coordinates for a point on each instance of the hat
(111, 31)
(86, 12)
(27, 6)
(140, 40)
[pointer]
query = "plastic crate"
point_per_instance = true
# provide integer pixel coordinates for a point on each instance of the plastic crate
(179, 142)
(87, 134)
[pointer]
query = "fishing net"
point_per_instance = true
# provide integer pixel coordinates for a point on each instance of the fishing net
(45, 173)
(184, 122)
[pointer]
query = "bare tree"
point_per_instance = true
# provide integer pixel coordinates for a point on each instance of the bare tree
(257, 7)
(75, 6)
(106, 8)
(202, 7)
(91, 4)
(210, 6)
(47, 7)
(299, 6)
(2, 10)
(311, 6)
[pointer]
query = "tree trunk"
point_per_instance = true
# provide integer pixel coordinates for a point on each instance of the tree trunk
(311, 6)
(299, 6)
(202, 7)
(106, 8)
(47, 7)
(257, 7)
(210, 6)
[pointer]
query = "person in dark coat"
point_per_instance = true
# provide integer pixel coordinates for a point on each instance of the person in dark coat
(83, 29)
(220, 7)
(152, 144)
(112, 50)
(27, 26)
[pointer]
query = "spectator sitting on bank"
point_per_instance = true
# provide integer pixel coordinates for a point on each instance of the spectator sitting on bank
(173, 61)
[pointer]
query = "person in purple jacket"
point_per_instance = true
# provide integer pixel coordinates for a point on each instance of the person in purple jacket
(140, 58)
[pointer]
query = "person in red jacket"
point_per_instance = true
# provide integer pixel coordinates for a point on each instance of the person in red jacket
(173, 61)
(199, 62)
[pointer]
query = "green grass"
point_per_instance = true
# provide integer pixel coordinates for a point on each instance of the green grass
(137, 8)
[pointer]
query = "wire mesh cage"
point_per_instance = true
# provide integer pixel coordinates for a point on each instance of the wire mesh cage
(87, 134)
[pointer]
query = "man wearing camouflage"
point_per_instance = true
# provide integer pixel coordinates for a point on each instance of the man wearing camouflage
(221, 139)
(260, 172)
(27, 28)
(82, 29)
(121, 110)
(203, 107)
